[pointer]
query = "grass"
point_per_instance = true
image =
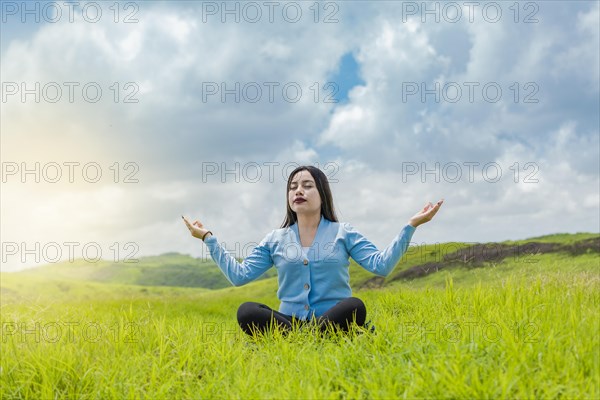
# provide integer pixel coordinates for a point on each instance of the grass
(171, 269)
(515, 329)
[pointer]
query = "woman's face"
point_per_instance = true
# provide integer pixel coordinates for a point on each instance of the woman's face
(303, 195)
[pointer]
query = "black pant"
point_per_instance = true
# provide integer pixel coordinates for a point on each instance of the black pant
(254, 317)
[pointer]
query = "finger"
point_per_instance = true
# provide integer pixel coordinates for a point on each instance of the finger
(434, 211)
(186, 221)
(436, 206)
(428, 212)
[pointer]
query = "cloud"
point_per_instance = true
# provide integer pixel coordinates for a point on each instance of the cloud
(369, 145)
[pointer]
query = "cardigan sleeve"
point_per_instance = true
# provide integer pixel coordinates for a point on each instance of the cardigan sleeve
(369, 257)
(253, 266)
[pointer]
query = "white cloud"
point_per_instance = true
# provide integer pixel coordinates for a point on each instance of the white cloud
(580, 57)
(172, 133)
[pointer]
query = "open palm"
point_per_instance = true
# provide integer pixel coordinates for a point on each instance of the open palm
(426, 214)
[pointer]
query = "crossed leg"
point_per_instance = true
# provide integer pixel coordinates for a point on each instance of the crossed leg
(257, 317)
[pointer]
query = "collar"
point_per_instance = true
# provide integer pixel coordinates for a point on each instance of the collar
(322, 223)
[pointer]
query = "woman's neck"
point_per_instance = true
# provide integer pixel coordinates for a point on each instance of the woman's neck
(308, 222)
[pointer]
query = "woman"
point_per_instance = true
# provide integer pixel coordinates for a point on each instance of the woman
(310, 252)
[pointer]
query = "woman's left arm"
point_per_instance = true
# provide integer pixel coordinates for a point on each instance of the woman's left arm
(383, 262)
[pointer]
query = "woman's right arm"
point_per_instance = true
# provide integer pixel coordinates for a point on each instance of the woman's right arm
(253, 266)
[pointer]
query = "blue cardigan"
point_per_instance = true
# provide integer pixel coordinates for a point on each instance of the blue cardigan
(309, 287)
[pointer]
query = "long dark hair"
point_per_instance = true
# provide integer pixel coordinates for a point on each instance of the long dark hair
(327, 209)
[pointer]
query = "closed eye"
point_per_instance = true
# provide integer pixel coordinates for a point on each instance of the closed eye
(294, 186)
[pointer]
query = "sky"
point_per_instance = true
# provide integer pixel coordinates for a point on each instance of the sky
(119, 117)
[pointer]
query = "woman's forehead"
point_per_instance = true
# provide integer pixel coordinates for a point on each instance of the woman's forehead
(303, 175)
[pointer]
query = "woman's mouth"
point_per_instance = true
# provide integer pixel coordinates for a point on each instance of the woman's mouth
(300, 200)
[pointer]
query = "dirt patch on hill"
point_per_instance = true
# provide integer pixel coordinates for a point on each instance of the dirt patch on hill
(483, 254)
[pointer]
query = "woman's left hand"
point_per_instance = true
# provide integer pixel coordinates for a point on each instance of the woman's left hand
(426, 214)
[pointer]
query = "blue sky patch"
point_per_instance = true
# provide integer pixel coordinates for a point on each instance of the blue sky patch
(346, 77)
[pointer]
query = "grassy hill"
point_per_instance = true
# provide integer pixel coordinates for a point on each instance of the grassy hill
(170, 269)
(520, 326)
(174, 274)
(524, 256)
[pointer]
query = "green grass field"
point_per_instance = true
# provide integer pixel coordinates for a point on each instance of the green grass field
(525, 328)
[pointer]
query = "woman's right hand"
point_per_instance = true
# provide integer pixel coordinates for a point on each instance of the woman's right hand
(196, 228)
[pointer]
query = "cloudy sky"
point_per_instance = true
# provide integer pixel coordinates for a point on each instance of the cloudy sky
(118, 118)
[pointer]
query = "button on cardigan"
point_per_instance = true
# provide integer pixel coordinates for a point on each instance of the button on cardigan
(309, 286)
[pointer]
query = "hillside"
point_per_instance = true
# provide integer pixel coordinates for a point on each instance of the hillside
(175, 274)
(516, 327)
(431, 260)
(170, 269)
